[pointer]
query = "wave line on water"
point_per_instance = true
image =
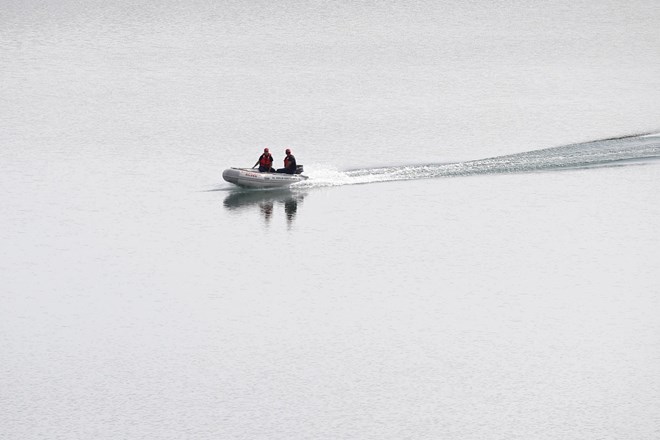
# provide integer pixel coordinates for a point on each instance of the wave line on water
(594, 154)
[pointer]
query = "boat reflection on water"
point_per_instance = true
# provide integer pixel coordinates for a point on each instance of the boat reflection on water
(266, 202)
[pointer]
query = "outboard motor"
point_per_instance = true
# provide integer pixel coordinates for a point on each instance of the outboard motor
(299, 169)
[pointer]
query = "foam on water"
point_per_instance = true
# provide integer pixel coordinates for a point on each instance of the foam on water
(601, 153)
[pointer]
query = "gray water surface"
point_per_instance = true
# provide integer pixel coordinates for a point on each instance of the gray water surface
(474, 254)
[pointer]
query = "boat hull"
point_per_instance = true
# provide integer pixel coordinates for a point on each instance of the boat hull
(249, 178)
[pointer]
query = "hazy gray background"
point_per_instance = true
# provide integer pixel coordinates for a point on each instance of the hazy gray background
(144, 298)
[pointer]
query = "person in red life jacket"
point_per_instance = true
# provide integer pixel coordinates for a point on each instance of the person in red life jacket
(289, 163)
(265, 162)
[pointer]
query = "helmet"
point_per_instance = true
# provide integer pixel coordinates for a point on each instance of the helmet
(265, 150)
(288, 151)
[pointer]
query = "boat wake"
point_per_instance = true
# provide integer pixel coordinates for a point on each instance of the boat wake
(602, 153)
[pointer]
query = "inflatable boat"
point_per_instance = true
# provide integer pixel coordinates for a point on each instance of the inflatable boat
(251, 178)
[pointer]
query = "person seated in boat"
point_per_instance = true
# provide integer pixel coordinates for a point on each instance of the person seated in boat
(265, 162)
(289, 163)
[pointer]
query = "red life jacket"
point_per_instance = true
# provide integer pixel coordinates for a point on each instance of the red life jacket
(286, 162)
(266, 160)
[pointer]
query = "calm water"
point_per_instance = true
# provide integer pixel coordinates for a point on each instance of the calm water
(464, 261)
